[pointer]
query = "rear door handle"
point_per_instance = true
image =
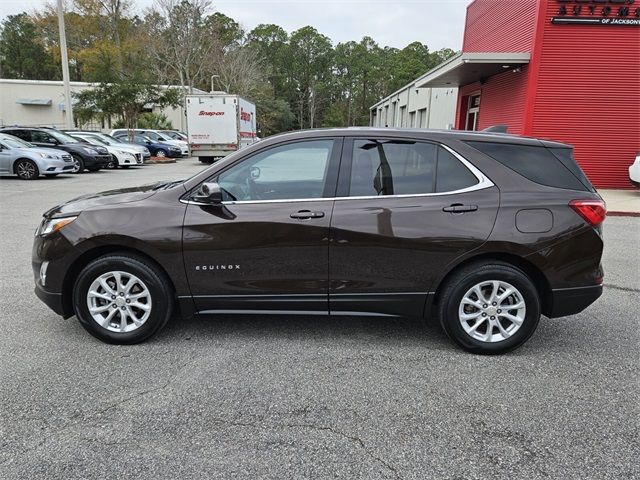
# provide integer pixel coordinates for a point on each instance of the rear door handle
(306, 214)
(460, 208)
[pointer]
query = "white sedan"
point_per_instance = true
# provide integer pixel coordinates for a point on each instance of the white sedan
(123, 156)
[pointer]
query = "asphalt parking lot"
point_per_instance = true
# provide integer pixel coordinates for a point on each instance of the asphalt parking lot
(289, 397)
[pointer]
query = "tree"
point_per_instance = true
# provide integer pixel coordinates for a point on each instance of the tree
(124, 98)
(22, 55)
(180, 40)
(311, 56)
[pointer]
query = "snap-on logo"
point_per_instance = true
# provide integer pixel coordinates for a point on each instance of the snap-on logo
(204, 113)
(218, 267)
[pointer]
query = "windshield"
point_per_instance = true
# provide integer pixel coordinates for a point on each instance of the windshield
(14, 142)
(107, 139)
(62, 137)
(96, 140)
(154, 136)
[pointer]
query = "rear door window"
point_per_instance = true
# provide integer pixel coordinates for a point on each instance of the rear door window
(405, 167)
(536, 163)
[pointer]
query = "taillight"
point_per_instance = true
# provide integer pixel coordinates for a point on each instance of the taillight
(593, 211)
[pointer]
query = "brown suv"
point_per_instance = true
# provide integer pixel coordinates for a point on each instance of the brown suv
(484, 231)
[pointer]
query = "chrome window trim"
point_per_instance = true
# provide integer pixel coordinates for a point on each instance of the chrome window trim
(483, 183)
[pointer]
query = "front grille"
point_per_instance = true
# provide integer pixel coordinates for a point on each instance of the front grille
(67, 158)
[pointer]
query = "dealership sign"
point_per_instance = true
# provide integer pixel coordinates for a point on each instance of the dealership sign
(598, 12)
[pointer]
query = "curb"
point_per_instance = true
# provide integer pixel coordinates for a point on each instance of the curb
(157, 160)
(623, 214)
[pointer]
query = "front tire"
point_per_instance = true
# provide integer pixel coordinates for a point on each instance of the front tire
(122, 299)
(161, 153)
(489, 308)
(26, 169)
(78, 164)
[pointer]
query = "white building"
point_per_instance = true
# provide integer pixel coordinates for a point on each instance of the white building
(413, 107)
(41, 103)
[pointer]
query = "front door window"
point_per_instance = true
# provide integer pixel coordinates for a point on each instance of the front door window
(293, 171)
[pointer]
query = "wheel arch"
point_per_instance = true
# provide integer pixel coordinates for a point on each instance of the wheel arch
(540, 281)
(14, 167)
(88, 256)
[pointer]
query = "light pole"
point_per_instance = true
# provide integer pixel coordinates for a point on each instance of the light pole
(68, 111)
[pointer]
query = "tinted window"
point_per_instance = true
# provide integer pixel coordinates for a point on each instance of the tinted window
(21, 134)
(404, 168)
(393, 167)
(538, 164)
(565, 155)
(452, 174)
(41, 137)
(297, 170)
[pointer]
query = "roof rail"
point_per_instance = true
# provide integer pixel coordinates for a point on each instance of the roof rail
(497, 129)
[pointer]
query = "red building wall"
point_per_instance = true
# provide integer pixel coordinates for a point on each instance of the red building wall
(582, 86)
(588, 94)
(500, 26)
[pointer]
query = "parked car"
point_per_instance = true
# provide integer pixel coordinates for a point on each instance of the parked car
(157, 137)
(123, 157)
(83, 155)
(157, 149)
(142, 149)
(485, 232)
(29, 162)
(175, 135)
(634, 172)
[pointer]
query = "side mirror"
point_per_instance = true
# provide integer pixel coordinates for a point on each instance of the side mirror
(210, 193)
(148, 142)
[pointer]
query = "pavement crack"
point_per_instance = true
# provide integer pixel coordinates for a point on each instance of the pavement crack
(624, 289)
(354, 439)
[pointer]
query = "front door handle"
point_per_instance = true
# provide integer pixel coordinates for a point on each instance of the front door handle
(460, 208)
(306, 214)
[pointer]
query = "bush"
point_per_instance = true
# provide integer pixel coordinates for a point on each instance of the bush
(154, 121)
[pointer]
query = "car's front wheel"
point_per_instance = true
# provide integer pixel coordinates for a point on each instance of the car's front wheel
(123, 299)
(27, 169)
(161, 153)
(489, 308)
(78, 164)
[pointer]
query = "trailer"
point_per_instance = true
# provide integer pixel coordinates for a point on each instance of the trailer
(219, 124)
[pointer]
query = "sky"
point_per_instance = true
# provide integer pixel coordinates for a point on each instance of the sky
(394, 23)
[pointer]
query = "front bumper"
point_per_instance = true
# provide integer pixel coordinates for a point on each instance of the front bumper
(93, 161)
(569, 301)
(51, 300)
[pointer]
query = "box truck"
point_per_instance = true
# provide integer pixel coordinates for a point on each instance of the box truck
(219, 124)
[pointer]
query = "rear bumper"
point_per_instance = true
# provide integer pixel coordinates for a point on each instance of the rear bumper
(569, 301)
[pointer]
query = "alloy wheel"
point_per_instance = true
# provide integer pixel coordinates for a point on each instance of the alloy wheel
(26, 170)
(492, 311)
(76, 165)
(161, 153)
(119, 301)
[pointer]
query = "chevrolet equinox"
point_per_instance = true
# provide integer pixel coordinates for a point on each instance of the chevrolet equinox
(485, 232)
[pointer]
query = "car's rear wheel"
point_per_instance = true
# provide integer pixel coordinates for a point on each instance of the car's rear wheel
(489, 308)
(121, 298)
(27, 169)
(78, 164)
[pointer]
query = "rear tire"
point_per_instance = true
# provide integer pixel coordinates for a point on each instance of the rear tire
(140, 291)
(489, 308)
(26, 169)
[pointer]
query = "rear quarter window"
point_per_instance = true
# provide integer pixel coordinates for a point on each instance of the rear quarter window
(537, 163)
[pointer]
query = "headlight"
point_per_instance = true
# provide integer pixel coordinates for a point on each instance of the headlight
(122, 152)
(49, 155)
(52, 225)
(146, 151)
(90, 151)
